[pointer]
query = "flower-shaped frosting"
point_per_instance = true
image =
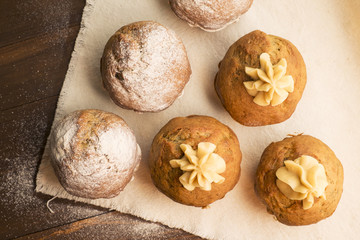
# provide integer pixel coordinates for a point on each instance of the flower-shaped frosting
(302, 179)
(201, 167)
(270, 85)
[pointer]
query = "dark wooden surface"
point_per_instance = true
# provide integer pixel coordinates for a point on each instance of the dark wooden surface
(36, 41)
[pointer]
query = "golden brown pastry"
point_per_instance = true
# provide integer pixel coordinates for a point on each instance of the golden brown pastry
(94, 153)
(261, 79)
(300, 180)
(195, 160)
(145, 67)
(211, 15)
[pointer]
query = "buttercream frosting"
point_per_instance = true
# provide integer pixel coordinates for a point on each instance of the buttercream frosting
(302, 179)
(270, 85)
(201, 167)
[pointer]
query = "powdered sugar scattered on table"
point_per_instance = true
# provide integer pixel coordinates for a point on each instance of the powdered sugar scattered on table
(19, 163)
(327, 116)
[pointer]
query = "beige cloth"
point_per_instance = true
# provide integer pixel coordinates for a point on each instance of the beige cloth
(327, 33)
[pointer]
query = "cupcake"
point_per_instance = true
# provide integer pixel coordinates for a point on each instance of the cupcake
(211, 15)
(195, 160)
(145, 67)
(94, 153)
(300, 180)
(261, 79)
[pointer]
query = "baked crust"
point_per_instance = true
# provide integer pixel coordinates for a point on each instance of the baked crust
(245, 53)
(192, 130)
(211, 15)
(94, 153)
(291, 212)
(145, 67)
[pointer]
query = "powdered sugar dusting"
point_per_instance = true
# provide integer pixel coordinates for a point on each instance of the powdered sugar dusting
(114, 144)
(210, 15)
(97, 164)
(64, 135)
(152, 64)
(22, 210)
(145, 230)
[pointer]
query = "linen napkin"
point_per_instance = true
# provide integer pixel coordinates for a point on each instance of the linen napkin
(327, 33)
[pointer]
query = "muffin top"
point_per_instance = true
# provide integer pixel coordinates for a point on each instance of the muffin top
(94, 153)
(261, 79)
(199, 146)
(212, 15)
(312, 170)
(145, 67)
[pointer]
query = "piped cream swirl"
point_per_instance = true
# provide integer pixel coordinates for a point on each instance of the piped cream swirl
(270, 85)
(201, 167)
(302, 179)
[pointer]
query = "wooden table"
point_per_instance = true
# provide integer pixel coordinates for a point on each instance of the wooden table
(36, 41)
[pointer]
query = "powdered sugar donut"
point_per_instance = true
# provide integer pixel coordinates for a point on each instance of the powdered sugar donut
(210, 15)
(145, 67)
(94, 153)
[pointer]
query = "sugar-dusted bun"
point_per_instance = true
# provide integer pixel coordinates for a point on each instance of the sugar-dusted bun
(94, 153)
(193, 131)
(145, 67)
(212, 15)
(246, 53)
(292, 212)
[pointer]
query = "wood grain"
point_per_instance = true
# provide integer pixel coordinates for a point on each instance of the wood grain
(113, 225)
(24, 19)
(24, 130)
(36, 41)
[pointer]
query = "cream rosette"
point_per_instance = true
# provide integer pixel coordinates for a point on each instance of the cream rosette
(201, 167)
(302, 179)
(270, 85)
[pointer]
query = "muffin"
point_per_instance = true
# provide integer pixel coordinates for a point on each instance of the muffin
(300, 180)
(261, 79)
(195, 160)
(212, 15)
(144, 67)
(94, 153)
